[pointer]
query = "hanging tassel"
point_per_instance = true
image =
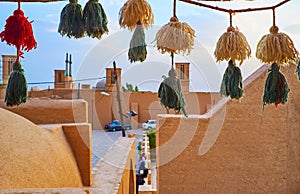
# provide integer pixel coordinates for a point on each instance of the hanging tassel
(71, 22)
(170, 93)
(133, 11)
(276, 47)
(232, 45)
(232, 83)
(95, 20)
(175, 37)
(16, 90)
(276, 87)
(18, 31)
(298, 70)
(138, 51)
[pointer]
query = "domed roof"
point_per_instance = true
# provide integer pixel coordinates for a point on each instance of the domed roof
(101, 84)
(32, 157)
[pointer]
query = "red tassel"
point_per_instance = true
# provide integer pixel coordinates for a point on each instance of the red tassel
(18, 31)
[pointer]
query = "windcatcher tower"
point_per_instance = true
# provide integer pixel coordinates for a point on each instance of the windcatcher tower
(183, 74)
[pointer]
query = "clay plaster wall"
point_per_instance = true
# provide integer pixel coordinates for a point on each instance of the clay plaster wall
(51, 111)
(79, 136)
(103, 109)
(33, 157)
(115, 172)
(128, 181)
(237, 149)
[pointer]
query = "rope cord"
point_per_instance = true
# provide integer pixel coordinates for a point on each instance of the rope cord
(174, 9)
(172, 60)
(230, 19)
(236, 10)
(78, 80)
(274, 17)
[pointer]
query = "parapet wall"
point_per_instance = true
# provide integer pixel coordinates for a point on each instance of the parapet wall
(234, 148)
(51, 111)
(115, 172)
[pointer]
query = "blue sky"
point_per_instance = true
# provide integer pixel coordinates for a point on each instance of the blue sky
(92, 56)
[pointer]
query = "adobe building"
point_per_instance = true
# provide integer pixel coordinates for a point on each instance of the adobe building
(63, 78)
(48, 150)
(102, 109)
(234, 147)
(7, 62)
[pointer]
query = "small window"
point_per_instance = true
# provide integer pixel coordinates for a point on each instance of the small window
(181, 71)
(59, 77)
(112, 77)
(9, 63)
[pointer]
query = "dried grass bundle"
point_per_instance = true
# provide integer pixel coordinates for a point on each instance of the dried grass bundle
(276, 47)
(232, 45)
(134, 11)
(175, 37)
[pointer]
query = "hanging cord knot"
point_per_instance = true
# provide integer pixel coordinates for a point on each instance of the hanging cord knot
(73, 1)
(174, 19)
(274, 68)
(18, 12)
(172, 72)
(17, 66)
(230, 28)
(274, 30)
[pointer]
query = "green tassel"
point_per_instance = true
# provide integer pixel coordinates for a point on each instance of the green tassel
(71, 22)
(170, 93)
(16, 90)
(137, 51)
(276, 87)
(232, 83)
(95, 20)
(298, 70)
